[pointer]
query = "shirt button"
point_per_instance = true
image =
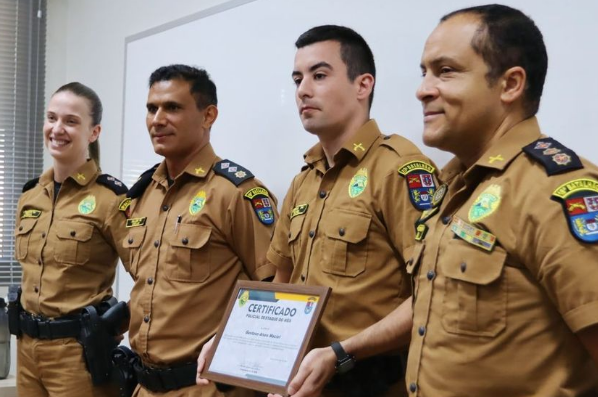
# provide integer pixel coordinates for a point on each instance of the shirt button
(412, 387)
(421, 330)
(165, 207)
(146, 319)
(185, 241)
(36, 290)
(431, 275)
(130, 240)
(39, 262)
(43, 234)
(341, 231)
(73, 233)
(303, 277)
(156, 243)
(289, 235)
(386, 137)
(322, 193)
(150, 281)
(312, 233)
(20, 228)
(446, 219)
(463, 267)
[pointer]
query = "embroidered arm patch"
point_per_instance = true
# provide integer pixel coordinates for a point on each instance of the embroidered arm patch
(579, 199)
(420, 182)
(261, 203)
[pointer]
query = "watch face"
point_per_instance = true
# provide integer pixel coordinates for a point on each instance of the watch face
(345, 365)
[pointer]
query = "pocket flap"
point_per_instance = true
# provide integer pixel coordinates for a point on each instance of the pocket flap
(134, 237)
(191, 236)
(351, 227)
(466, 262)
(25, 226)
(73, 230)
(295, 228)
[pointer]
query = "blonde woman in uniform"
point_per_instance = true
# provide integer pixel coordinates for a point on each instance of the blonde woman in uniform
(68, 238)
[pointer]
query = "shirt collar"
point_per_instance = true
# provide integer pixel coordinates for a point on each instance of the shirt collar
(357, 146)
(198, 167)
(82, 176)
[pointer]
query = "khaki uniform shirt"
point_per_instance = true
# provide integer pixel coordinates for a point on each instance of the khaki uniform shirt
(501, 283)
(68, 248)
(189, 243)
(350, 227)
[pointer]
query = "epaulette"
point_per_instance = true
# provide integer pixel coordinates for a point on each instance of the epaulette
(402, 146)
(232, 171)
(142, 183)
(555, 157)
(30, 184)
(112, 183)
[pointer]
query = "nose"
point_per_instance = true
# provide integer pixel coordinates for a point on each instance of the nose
(427, 89)
(57, 127)
(304, 89)
(158, 118)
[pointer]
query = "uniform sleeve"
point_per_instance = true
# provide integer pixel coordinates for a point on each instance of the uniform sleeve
(115, 230)
(279, 252)
(398, 210)
(250, 232)
(564, 265)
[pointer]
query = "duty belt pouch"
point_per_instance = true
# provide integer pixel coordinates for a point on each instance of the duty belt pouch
(123, 359)
(14, 309)
(98, 330)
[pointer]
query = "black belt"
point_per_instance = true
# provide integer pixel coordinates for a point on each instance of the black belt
(161, 380)
(40, 327)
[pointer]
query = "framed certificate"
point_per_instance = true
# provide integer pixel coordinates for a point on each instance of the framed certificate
(264, 334)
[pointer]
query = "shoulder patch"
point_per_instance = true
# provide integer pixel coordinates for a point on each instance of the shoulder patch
(555, 157)
(579, 198)
(420, 182)
(30, 184)
(260, 201)
(232, 171)
(402, 146)
(142, 183)
(112, 183)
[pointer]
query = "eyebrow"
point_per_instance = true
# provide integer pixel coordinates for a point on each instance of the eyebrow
(314, 67)
(440, 60)
(164, 104)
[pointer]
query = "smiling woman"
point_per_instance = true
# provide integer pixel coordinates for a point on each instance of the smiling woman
(68, 237)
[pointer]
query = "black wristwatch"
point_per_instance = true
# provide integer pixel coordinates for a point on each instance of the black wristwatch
(344, 362)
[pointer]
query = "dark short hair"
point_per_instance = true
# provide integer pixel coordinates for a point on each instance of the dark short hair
(95, 111)
(355, 52)
(202, 87)
(507, 38)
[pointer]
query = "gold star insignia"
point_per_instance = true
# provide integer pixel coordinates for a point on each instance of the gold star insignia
(199, 171)
(80, 176)
(358, 146)
(495, 158)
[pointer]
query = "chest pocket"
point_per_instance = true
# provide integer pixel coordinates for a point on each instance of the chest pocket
(295, 236)
(475, 290)
(188, 259)
(23, 235)
(73, 246)
(344, 249)
(133, 243)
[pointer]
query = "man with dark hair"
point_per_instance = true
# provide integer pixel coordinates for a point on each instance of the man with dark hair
(505, 289)
(197, 224)
(347, 220)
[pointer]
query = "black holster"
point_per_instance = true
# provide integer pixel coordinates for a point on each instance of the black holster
(371, 377)
(123, 360)
(14, 309)
(99, 327)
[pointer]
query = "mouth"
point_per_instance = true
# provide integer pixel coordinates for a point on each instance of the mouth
(430, 115)
(55, 142)
(307, 108)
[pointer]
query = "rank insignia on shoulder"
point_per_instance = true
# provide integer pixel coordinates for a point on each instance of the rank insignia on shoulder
(420, 183)
(30, 184)
(555, 157)
(197, 202)
(112, 183)
(473, 235)
(87, 205)
(232, 171)
(579, 198)
(136, 222)
(358, 183)
(486, 203)
(260, 201)
(299, 210)
(30, 214)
